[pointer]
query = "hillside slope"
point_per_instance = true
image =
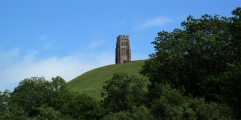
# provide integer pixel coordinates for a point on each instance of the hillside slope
(92, 81)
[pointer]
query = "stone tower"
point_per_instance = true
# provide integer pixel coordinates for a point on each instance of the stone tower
(123, 50)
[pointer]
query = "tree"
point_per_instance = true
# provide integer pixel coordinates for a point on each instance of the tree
(81, 106)
(231, 88)
(197, 58)
(37, 98)
(138, 113)
(4, 99)
(123, 92)
(175, 106)
(193, 56)
(48, 113)
(60, 93)
(32, 93)
(234, 48)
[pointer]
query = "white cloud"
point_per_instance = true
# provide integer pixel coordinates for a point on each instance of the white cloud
(13, 70)
(157, 21)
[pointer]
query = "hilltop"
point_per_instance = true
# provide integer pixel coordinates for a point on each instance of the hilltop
(92, 81)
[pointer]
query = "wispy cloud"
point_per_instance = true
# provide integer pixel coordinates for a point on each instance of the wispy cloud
(42, 37)
(48, 46)
(96, 43)
(120, 23)
(13, 70)
(157, 21)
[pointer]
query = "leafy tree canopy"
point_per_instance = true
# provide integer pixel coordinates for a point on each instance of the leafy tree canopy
(198, 57)
(123, 92)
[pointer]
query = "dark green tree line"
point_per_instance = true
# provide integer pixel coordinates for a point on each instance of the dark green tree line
(37, 98)
(203, 58)
(123, 92)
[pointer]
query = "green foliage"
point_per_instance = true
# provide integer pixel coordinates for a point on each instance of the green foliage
(211, 111)
(204, 58)
(123, 92)
(173, 105)
(8, 110)
(198, 58)
(186, 57)
(15, 112)
(234, 48)
(60, 93)
(138, 113)
(37, 98)
(31, 94)
(4, 96)
(81, 106)
(232, 87)
(91, 82)
(48, 113)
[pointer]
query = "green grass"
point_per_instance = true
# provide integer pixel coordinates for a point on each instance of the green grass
(91, 82)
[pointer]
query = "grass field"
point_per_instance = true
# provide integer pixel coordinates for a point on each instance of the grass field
(92, 81)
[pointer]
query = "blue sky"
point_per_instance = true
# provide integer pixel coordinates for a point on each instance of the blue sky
(69, 37)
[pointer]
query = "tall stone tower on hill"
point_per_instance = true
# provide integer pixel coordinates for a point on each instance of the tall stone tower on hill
(123, 50)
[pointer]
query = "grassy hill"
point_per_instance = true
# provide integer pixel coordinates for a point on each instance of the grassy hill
(92, 81)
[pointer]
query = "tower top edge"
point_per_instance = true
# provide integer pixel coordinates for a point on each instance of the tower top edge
(123, 36)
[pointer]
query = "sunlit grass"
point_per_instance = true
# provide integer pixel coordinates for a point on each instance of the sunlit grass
(92, 81)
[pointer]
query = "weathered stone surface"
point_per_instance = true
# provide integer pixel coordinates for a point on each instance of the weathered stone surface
(123, 51)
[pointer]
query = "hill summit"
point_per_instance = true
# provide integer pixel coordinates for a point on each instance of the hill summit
(91, 82)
